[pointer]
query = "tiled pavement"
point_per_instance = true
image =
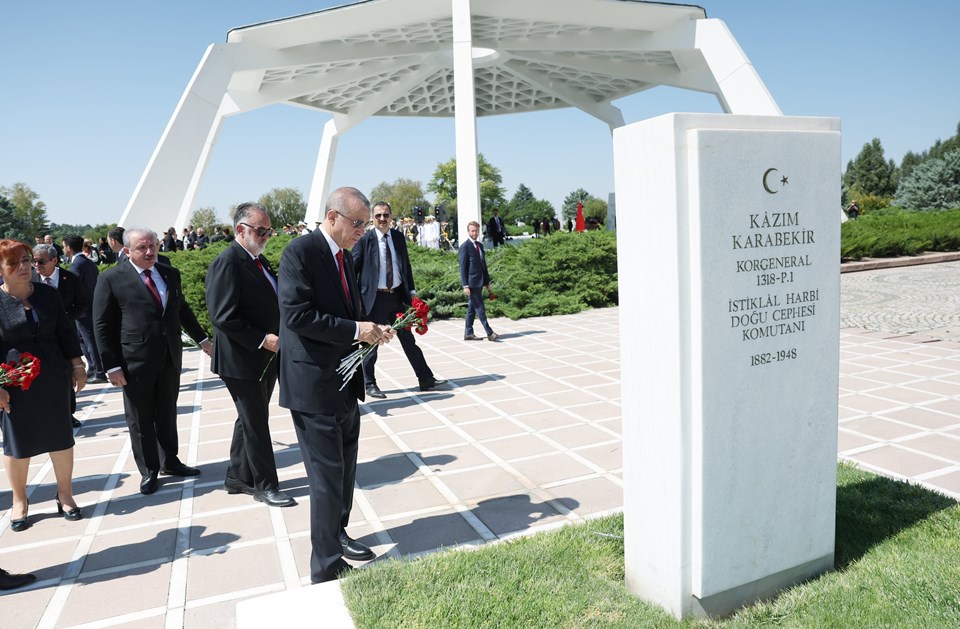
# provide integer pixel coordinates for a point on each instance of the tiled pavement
(526, 437)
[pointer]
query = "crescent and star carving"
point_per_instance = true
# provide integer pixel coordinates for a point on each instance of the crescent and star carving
(783, 180)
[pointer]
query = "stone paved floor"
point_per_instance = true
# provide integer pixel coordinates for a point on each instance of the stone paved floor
(527, 436)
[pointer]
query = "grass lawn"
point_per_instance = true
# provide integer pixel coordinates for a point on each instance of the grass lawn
(897, 565)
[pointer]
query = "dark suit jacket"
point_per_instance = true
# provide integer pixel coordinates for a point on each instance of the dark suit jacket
(319, 326)
(243, 309)
(72, 296)
(56, 339)
(366, 263)
(473, 267)
(131, 333)
(87, 271)
(493, 229)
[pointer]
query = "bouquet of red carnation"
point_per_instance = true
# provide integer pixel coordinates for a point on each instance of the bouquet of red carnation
(20, 370)
(415, 317)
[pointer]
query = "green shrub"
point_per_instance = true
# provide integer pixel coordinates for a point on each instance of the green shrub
(893, 231)
(932, 185)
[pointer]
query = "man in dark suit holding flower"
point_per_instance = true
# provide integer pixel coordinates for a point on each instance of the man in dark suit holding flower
(320, 315)
(383, 270)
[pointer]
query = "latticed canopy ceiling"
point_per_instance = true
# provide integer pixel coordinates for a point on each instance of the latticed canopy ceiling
(395, 55)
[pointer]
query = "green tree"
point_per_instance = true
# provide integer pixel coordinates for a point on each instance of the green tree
(538, 210)
(285, 206)
(594, 208)
(12, 225)
(933, 185)
(517, 209)
(869, 173)
(28, 206)
(444, 185)
(205, 217)
(569, 210)
(402, 195)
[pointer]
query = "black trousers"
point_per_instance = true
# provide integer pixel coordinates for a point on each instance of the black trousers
(150, 407)
(385, 309)
(251, 450)
(88, 343)
(328, 446)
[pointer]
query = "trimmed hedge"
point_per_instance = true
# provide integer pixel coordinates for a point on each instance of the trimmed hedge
(562, 274)
(893, 232)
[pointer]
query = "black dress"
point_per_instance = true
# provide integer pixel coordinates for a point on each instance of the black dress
(39, 418)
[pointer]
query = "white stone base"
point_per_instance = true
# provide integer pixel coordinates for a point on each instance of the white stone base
(319, 605)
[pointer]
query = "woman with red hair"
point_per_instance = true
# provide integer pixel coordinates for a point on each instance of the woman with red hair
(37, 420)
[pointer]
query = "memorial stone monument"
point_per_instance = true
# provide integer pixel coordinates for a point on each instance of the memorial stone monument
(731, 271)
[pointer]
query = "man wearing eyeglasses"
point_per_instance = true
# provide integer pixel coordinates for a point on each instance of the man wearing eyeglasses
(72, 296)
(245, 314)
(320, 317)
(386, 288)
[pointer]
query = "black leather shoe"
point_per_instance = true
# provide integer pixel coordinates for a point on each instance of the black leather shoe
(352, 549)
(13, 581)
(179, 469)
(273, 497)
(426, 385)
(76, 422)
(97, 380)
(68, 514)
(20, 525)
(471, 337)
(374, 391)
(148, 484)
(237, 486)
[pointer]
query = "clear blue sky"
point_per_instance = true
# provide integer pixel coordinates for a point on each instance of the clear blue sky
(90, 86)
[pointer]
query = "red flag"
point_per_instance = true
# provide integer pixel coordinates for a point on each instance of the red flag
(580, 225)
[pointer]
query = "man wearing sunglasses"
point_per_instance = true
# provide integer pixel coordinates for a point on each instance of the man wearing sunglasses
(386, 287)
(245, 315)
(320, 317)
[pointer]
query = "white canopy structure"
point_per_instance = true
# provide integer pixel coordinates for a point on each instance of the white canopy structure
(462, 58)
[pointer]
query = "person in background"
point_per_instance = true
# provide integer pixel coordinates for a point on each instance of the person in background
(107, 254)
(37, 421)
(90, 251)
(89, 275)
(474, 277)
(495, 229)
(382, 264)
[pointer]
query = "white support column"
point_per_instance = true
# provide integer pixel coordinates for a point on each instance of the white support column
(741, 90)
(320, 188)
(169, 183)
(465, 110)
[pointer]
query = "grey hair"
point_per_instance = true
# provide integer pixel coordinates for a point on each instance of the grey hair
(45, 249)
(340, 198)
(245, 210)
(138, 231)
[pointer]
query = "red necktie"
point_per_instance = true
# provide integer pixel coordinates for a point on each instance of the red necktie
(147, 274)
(477, 245)
(343, 280)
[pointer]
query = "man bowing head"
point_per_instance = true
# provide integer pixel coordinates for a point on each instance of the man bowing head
(320, 321)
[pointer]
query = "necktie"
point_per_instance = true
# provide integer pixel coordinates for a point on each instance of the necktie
(477, 245)
(389, 260)
(48, 281)
(343, 280)
(148, 276)
(260, 266)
